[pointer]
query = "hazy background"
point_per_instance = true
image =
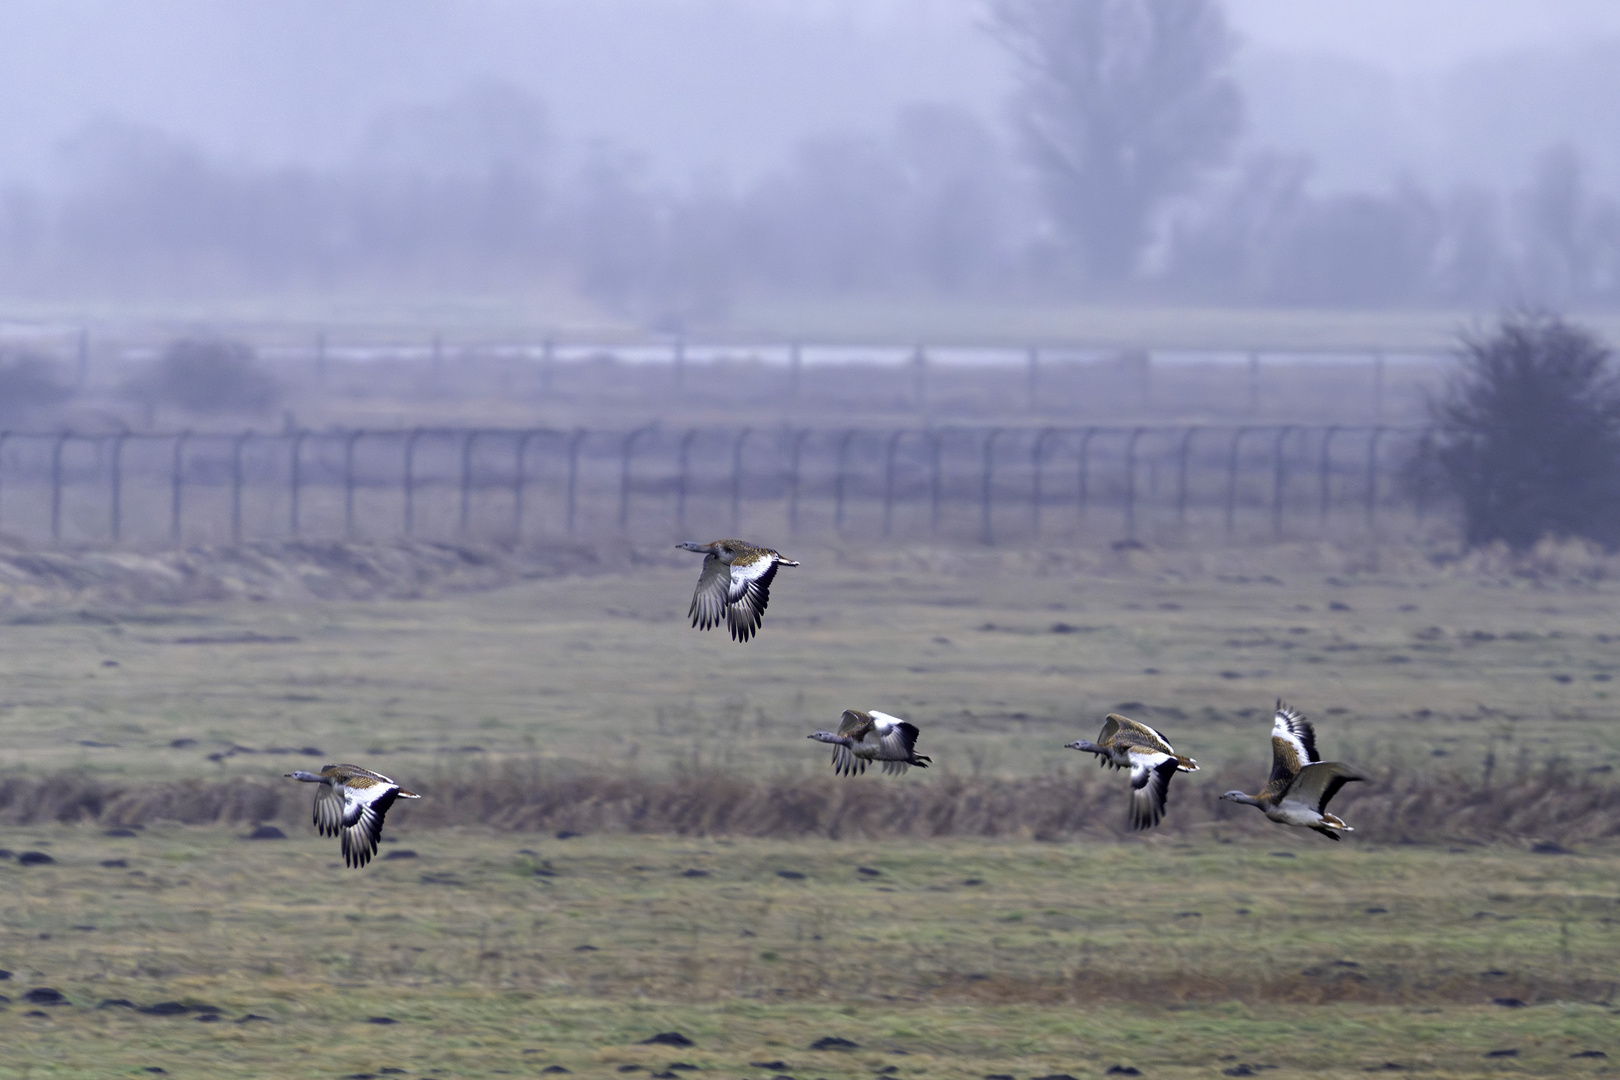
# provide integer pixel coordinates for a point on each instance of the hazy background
(670, 160)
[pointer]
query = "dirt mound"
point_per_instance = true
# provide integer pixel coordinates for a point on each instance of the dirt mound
(277, 570)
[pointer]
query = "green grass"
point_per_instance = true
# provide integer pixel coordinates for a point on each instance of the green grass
(1060, 958)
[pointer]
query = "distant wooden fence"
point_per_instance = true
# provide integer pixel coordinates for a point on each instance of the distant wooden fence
(992, 485)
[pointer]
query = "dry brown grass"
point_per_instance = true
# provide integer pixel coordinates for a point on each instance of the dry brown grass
(1550, 801)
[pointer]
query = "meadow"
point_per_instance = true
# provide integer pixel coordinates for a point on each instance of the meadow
(988, 916)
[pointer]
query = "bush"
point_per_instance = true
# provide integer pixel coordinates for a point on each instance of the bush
(1528, 434)
(28, 382)
(204, 375)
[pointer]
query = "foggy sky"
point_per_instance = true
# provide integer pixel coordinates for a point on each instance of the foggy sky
(1445, 90)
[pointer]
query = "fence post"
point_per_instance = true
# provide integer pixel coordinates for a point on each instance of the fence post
(1032, 377)
(1279, 479)
(736, 480)
(56, 486)
(838, 478)
(519, 482)
(466, 478)
(1372, 474)
(1083, 493)
(1324, 481)
(683, 465)
(986, 489)
(349, 442)
(1037, 459)
(628, 448)
(890, 450)
(177, 479)
(4, 437)
(573, 472)
(919, 378)
(1181, 474)
(1421, 492)
(1232, 477)
(1378, 387)
(410, 480)
(237, 447)
(794, 462)
(295, 480)
(1130, 482)
(117, 485)
(936, 444)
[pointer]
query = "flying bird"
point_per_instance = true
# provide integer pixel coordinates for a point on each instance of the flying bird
(352, 802)
(873, 736)
(735, 585)
(1125, 743)
(1301, 783)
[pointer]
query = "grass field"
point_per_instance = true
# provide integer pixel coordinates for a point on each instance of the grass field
(1217, 944)
(506, 953)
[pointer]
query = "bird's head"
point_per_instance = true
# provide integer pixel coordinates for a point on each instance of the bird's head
(693, 545)
(827, 737)
(1081, 744)
(300, 774)
(1236, 796)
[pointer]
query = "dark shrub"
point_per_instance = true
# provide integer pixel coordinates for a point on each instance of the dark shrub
(206, 375)
(1528, 434)
(28, 382)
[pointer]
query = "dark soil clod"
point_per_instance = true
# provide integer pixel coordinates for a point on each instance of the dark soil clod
(45, 995)
(165, 1008)
(1509, 1002)
(668, 1038)
(868, 871)
(695, 872)
(381, 1020)
(791, 875)
(402, 853)
(1510, 1052)
(34, 858)
(266, 832)
(1122, 1070)
(833, 1042)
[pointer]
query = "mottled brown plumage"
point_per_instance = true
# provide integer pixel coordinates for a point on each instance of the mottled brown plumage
(351, 804)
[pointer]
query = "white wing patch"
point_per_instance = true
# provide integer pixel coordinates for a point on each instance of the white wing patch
(1294, 728)
(1150, 787)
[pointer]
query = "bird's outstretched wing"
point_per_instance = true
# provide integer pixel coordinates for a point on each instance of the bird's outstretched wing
(1150, 787)
(711, 601)
(1134, 733)
(365, 803)
(845, 763)
(899, 748)
(328, 810)
(1293, 744)
(1317, 783)
(750, 591)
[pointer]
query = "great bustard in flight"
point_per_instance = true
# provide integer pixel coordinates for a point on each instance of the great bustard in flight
(352, 802)
(1301, 783)
(1127, 744)
(735, 585)
(873, 736)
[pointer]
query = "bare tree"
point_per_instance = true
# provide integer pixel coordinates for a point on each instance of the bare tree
(1124, 104)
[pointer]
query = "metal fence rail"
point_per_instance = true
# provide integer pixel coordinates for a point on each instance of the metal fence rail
(994, 485)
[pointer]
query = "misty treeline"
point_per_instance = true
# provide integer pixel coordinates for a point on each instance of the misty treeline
(1119, 169)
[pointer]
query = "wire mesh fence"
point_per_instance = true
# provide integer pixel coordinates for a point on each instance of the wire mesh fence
(992, 485)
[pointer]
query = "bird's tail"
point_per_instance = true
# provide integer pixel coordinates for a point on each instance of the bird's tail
(1186, 764)
(403, 794)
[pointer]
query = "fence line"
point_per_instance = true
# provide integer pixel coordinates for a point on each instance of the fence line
(994, 484)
